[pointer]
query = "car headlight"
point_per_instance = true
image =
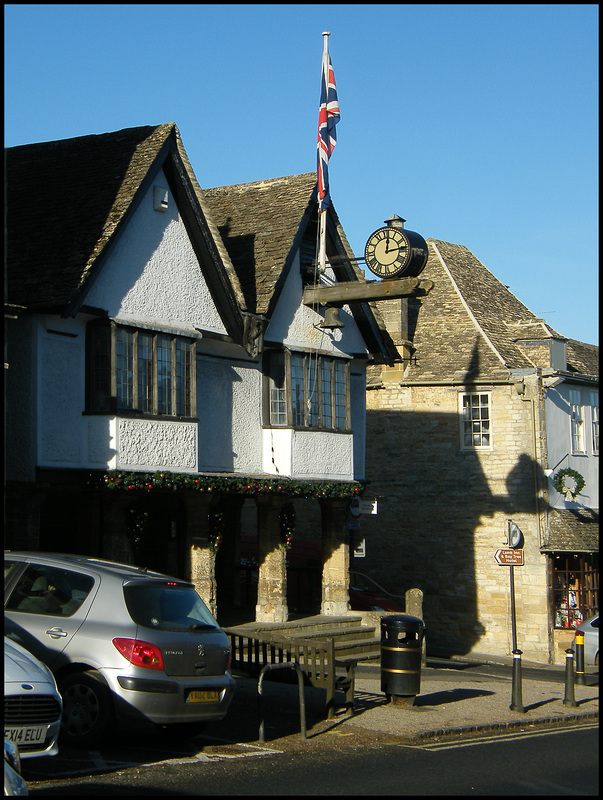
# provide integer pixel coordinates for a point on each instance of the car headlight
(11, 754)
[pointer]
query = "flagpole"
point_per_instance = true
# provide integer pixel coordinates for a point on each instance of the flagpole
(322, 215)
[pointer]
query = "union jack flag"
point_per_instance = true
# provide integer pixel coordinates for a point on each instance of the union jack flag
(328, 117)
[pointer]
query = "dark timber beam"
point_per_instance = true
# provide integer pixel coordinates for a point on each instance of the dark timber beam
(361, 292)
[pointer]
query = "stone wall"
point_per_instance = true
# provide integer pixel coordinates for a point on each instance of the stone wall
(443, 513)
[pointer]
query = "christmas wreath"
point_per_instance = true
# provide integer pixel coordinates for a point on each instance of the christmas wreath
(559, 482)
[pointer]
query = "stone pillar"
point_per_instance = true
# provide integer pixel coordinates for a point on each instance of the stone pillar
(116, 544)
(201, 559)
(272, 571)
(414, 602)
(336, 555)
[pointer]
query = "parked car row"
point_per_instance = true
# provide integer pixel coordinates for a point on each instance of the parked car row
(91, 643)
(125, 645)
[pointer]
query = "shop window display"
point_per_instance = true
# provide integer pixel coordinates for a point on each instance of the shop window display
(575, 588)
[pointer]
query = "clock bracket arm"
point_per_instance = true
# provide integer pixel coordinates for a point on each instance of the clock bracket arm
(355, 291)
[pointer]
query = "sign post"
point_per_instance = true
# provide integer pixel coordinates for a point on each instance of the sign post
(513, 557)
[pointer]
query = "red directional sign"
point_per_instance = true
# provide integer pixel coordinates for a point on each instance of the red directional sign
(509, 558)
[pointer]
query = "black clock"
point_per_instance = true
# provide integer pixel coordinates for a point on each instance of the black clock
(392, 252)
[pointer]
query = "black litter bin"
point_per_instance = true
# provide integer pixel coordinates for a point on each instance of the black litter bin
(401, 649)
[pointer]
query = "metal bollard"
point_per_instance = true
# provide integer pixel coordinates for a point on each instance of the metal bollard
(568, 699)
(516, 698)
(580, 676)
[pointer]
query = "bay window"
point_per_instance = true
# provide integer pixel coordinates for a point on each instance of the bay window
(142, 372)
(306, 390)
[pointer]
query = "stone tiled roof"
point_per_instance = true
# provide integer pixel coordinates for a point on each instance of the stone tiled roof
(259, 223)
(583, 358)
(573, 531)
(470, 327)
(65, 200)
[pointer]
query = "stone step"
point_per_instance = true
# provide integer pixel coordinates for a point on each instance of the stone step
(363, 649)
(304, 626)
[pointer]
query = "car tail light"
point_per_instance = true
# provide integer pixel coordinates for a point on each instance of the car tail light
(141, 654)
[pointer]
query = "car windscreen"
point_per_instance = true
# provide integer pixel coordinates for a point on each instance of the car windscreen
(167, 607)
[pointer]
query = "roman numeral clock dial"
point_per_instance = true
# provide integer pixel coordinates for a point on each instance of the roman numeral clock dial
(392, 251)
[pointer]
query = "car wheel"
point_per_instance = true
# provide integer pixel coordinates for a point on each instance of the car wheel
(87, 709)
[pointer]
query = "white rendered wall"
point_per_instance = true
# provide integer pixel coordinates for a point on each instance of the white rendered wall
(293, 324)
(60, 392)
(317, 454)
(559, 444)
(229, 408)
(152, 274)
(308, 455)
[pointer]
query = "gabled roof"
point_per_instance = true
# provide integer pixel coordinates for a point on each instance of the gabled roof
(472, 327)
(64, 202)
(582, 358)
(264, 223)
(259, 223)
(68, 200)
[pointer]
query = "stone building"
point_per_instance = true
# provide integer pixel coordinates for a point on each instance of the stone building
(169, 396)
(486, 410)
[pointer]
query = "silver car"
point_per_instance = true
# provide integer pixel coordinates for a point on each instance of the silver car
(590, 629)
(32, 704)
(124, 643)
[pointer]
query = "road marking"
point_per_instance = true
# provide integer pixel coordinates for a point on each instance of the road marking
(100, 764)
(501, 736)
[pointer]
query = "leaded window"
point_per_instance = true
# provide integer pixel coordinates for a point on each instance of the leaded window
(136, 371)
(306, 390)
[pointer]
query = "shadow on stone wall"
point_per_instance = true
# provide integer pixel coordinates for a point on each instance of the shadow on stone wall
(433, 499)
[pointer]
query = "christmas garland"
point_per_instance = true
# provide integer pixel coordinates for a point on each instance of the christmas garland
(250, 487)
(561, 486)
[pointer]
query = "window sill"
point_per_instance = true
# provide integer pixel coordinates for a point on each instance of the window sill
(306, 429)
(136, 415)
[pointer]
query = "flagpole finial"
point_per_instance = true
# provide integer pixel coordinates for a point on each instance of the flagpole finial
(326, 33)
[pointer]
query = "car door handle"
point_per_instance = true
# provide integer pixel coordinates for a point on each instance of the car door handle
(56, 633)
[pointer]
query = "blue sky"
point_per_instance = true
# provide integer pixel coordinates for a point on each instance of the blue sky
(476, 123)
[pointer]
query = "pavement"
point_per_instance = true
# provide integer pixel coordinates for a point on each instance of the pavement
(457, 696)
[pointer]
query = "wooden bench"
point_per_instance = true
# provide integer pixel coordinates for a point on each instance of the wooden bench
(252, 650)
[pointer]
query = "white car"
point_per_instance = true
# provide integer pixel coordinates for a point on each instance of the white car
(32, 703)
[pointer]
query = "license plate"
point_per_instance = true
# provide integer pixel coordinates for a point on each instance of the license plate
(197, 696)
(26, 735)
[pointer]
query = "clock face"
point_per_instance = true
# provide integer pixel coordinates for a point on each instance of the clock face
(387, 252)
